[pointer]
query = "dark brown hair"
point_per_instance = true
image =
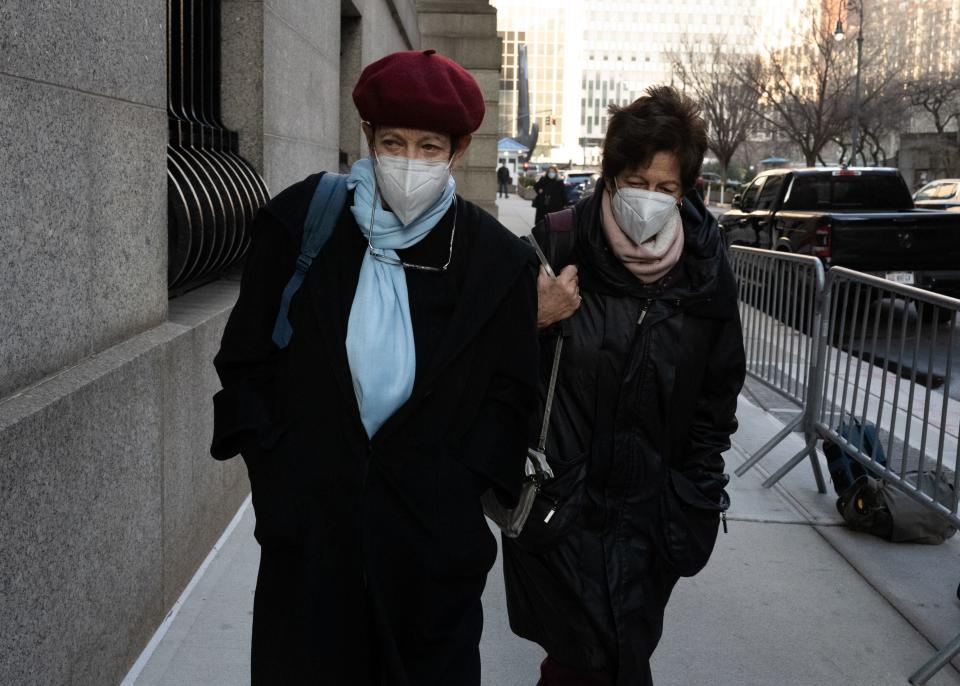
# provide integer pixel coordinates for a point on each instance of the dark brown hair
(662, 120)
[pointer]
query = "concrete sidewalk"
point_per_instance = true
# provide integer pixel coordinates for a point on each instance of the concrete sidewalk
(790, 597)
(516, 214)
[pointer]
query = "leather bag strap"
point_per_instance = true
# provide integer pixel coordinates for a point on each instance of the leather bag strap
(552, 387)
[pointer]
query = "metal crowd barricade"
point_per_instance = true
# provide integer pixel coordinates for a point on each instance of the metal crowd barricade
(851, 347)
(780, 307)
(876, 328)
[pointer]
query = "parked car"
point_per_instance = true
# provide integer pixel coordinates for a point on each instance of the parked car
(939, 195)
(861, 218)
(579, 184)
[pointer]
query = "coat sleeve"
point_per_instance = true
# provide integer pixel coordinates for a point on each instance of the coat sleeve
(714, 415)
(247, 352)
(496, 444)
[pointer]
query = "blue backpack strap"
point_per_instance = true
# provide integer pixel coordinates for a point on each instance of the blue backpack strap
(322, 217)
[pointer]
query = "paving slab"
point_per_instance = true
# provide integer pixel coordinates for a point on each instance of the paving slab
(776, 605)
(516, 214)
(919, 581)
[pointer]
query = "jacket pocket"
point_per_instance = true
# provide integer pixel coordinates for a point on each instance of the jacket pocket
(555, 509)
(270, 460)
(689, 522)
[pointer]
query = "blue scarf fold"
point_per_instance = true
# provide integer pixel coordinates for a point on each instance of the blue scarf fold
(380, 345)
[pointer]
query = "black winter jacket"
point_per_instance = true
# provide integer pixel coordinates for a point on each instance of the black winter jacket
(374, 550)
(646, 400)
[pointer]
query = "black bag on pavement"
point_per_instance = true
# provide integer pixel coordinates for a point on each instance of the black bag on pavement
(876, 507)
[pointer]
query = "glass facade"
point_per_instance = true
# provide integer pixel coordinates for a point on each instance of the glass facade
(583, 56)
(541, 26)
(917, 39)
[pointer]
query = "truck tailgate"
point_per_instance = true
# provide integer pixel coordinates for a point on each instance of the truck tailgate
(890, 241)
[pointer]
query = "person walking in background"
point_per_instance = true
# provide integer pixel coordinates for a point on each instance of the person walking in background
(644, 405)
(401, 397)
(503, 180)
(550, 194)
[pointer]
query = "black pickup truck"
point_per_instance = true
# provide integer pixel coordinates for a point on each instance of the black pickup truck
(860, 218)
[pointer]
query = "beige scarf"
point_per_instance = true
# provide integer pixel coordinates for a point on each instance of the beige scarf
(651, 260)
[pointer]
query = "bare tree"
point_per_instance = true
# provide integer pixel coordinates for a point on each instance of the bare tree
(939, 98)
(883, 108)
(712, 78)
(804, 91)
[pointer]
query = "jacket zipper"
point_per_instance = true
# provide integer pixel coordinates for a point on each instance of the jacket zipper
(643, 311)
(557, 504)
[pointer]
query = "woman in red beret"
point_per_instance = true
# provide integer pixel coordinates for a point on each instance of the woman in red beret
(401, 396)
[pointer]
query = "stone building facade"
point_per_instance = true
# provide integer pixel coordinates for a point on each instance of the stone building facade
(109, 500)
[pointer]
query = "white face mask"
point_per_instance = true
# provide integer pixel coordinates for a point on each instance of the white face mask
(641, 214)
(410, 187)
(551, 175)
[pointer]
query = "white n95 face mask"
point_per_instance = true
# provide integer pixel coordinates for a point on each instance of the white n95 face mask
(410, 187)
(641, 214)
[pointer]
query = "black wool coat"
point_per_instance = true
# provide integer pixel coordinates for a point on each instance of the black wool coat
(645, 405)
(374, 551)
(552, 195)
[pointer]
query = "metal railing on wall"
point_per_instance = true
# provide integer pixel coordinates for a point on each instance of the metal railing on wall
(212, 192)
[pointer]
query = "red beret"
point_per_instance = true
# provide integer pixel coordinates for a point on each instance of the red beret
(420, 90)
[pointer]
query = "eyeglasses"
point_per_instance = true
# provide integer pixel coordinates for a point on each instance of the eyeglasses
(379, 255)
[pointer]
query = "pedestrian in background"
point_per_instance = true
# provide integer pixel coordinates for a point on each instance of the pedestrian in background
(644, 406)
(503, 180)
(550, 194)
(402, 396)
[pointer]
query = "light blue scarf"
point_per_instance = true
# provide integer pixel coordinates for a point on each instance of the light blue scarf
(380, 345)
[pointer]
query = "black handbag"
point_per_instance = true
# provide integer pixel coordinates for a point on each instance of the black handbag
(548, 503)
(538, 473)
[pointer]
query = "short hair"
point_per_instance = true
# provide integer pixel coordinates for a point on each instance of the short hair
(661, 120)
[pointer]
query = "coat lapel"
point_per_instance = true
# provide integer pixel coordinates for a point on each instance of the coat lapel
(495, 261)
(335, 272)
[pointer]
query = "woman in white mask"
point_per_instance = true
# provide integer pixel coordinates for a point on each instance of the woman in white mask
(395, 391)
(647, 383)
(550, 193)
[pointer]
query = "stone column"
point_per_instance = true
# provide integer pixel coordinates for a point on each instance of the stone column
(280, 62)
(466, 31)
